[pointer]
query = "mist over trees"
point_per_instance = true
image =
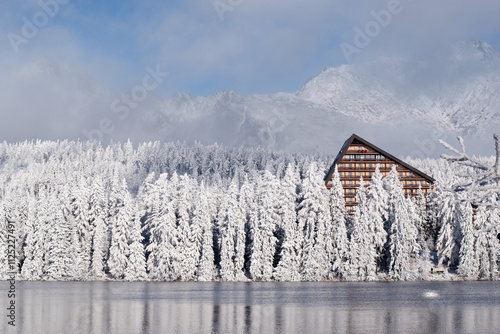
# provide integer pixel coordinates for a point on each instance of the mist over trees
(171, 212)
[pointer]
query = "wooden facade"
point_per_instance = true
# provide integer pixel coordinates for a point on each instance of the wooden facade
(359, 157)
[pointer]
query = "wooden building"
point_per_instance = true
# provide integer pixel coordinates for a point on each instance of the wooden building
(358, 157)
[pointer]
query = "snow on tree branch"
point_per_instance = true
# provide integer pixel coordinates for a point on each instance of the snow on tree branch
(483, 187)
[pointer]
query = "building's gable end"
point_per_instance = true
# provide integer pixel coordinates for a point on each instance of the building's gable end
(390, 156)
(339, 157)
(359, 158)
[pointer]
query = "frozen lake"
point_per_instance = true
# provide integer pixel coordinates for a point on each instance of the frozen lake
(333, 307)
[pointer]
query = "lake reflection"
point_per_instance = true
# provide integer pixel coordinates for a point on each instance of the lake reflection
(111, 307)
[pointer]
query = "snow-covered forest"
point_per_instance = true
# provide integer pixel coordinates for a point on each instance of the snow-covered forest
(167, 212)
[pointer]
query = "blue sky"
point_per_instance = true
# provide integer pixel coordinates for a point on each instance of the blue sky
(257, 47)
(63, 62)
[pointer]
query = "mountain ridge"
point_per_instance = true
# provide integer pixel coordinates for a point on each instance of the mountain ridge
(387, 93)
(453, 92)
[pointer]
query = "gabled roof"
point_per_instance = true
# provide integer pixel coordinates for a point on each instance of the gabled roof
(356, 139)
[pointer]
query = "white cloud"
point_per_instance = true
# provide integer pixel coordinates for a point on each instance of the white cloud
(260, 46)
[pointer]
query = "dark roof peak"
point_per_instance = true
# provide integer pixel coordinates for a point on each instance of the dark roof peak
(354, 138)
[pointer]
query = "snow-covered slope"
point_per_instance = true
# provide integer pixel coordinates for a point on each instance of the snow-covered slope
(455, 91)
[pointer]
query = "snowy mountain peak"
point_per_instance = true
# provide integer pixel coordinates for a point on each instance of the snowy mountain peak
(456, 90)
(473, 51)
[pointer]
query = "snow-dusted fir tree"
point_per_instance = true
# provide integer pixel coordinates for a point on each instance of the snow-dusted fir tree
(74, 269)
(188, 244)
(203, 214)
(338, 226)
(377, 211)
(363, 254)
(136, 261)
(424, 258)
(486, 243)
(163, 260)
(126, 259)
(262, 228)
(403, 245)
(424, 227)
(97, 216)
(468, 265)
(231, 223)
(58, 236)
(34, 241)
(314, 215)
(249, 209)
(450, 236)
(288, 267)
(81, 206)
(122, 217)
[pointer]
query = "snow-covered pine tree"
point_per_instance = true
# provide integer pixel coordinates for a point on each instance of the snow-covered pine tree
(58, 236)
(163, 259)
(403, 245)
(74, 270)
(377, 211)
(424, 228)
(338, 218)
(363, 257)
(288, 266)
(248, 203)
(486, 243)
(424, 261)
(81, 206)
(100, 235)
(314, 215)
(231, 225)
(468, 265)
(34, 241)
(188, 245)
(262, 228)
(450, 236)
(121, 231)
(136, 261)
(203, 215)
